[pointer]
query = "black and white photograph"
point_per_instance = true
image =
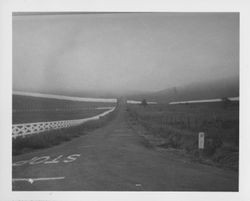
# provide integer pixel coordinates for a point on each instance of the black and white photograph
(122, 101)
(125, 101)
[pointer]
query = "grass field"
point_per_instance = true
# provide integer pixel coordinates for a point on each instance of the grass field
(28, 109)
(51, 138)
(178, 125)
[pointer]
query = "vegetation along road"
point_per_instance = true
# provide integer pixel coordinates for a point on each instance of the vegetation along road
(115, 157)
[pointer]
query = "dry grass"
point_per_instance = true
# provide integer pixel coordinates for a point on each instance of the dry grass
(179, 125)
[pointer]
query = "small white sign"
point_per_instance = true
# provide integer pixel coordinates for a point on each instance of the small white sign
(201, 140)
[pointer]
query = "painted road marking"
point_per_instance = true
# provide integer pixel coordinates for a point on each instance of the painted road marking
(139, 186)
(32, 180)
(48, 160)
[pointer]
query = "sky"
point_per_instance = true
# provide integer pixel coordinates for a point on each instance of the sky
(121, 52)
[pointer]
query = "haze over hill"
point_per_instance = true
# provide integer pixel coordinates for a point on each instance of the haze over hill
(109, 54)
(195, 91)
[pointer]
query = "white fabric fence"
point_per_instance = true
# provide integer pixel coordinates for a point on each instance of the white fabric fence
(38, 127)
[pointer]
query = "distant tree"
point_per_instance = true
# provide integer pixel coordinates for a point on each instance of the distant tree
(226, 102)
(144, 103)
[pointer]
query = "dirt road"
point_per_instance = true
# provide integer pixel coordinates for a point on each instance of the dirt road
(115, 158)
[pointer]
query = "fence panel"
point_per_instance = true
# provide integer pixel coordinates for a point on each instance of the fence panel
(38, 127)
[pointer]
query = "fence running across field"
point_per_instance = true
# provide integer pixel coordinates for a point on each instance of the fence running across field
(204, 101)
(38, 127)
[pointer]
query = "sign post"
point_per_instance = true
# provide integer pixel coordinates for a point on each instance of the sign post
(201, 142)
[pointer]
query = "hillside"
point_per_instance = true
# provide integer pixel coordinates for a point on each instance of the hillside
(194, 91)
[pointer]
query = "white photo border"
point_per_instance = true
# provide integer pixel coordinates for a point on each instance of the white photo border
(9, 6)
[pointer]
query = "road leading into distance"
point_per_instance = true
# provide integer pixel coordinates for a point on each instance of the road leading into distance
(115, 158)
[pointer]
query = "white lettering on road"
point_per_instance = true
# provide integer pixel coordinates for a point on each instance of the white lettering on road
(56, 160)
(71, 158)
(48, 160)
(19, 163)
(37, 160)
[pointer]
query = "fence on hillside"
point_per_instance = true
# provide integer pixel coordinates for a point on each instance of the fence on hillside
(38, 127)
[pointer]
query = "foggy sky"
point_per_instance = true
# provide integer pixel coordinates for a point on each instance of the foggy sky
(123, 52)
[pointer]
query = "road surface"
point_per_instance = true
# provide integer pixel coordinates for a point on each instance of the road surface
(115, 158)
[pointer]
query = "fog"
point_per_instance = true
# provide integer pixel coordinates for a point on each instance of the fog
(75, 53)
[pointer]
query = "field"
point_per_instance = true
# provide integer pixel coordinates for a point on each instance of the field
(177, 126)
(32, 109)
(55, 137)
(28, 109)
(167, 126)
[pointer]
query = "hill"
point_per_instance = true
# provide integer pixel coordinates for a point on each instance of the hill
(194, 91)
